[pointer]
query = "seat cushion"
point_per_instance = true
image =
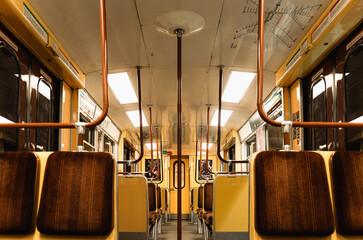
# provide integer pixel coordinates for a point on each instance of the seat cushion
(208, 197)
(292, 194)
(18, 175)
(77, 194)
(152, 196)
(348, 191)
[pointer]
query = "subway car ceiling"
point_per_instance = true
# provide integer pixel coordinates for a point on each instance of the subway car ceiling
(228, 38)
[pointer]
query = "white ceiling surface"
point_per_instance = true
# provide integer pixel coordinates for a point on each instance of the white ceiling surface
(228, 38)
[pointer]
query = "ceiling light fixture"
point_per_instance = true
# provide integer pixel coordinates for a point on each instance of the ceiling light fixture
(225, 114)
(121, 86)
(237, 85)
(135, 119)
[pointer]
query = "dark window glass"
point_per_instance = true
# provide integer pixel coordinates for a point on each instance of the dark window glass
(205, 173)
(353, 80)
(274, 138)
(9, 91)
(88, 138)
(153, 173)
(108, 145)
(175, 179)
(44, 114)
(318, 114)
(232, 156)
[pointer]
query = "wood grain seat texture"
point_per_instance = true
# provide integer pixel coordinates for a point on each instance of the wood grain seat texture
(200, 197)
(208, 197)
(166, 199)
(18, 192)
(77, 194)
(153, 213)
(292, 195)
(348, 191)
(159, 198)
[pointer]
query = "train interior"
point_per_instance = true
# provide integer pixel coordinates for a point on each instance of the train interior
(209, 119)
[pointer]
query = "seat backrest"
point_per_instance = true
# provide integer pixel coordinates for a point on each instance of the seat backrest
(166, 199)
(348, 191)
(152, 196)
(200, 197)
(159, 197)
(78, 194)
(208, 197)
(291, 194)
(18, 192)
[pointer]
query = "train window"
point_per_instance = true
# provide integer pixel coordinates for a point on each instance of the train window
(108, 145)
(9, 91)
(175, 181)
(232, 156)
(88, 138)
(353, 82)
(205, 173)
(274, 138)
(153, 173)
(44, 114)
(251, 146)
(318, 113)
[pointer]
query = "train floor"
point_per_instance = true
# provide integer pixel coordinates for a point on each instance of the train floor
(169, 231)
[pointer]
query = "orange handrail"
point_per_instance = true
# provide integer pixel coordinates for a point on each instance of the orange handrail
(232, 172)
(200, 160)
(219, 125)
(157, 155)
(104, 86)
(260, 109)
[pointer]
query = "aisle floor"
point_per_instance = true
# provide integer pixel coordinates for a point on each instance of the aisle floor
(169, 231)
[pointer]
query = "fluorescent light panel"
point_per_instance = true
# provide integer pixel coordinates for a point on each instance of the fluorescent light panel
(204, 146)
(148, 145)
(225, 114)
(237, 85)
(135, 119)
(121, 86)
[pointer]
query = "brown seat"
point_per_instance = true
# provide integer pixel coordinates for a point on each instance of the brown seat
(160, 211)
(166, 200)
(77, 194)
(200, 202)
(292, 194)
(208, 203)
(348, 191)
(153, 214)
(18, 192)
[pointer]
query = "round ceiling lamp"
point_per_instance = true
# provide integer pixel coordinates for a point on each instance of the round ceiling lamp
(190, 22)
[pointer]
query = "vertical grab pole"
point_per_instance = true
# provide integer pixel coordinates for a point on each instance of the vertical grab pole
(179, 33)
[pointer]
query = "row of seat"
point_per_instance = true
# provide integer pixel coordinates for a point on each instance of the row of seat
(204, 212)
(74, 196)
(300, 194)
(155, 208)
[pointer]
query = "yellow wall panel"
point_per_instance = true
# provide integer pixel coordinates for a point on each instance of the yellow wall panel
(132, 204)
(231, 204)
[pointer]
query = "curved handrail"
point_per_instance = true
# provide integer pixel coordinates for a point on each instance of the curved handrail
(196, 161)
(219, 123)
(201, 157)
(104, 86)
(140, 119)
(232, 172)
(157, 156)
(261, 14)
